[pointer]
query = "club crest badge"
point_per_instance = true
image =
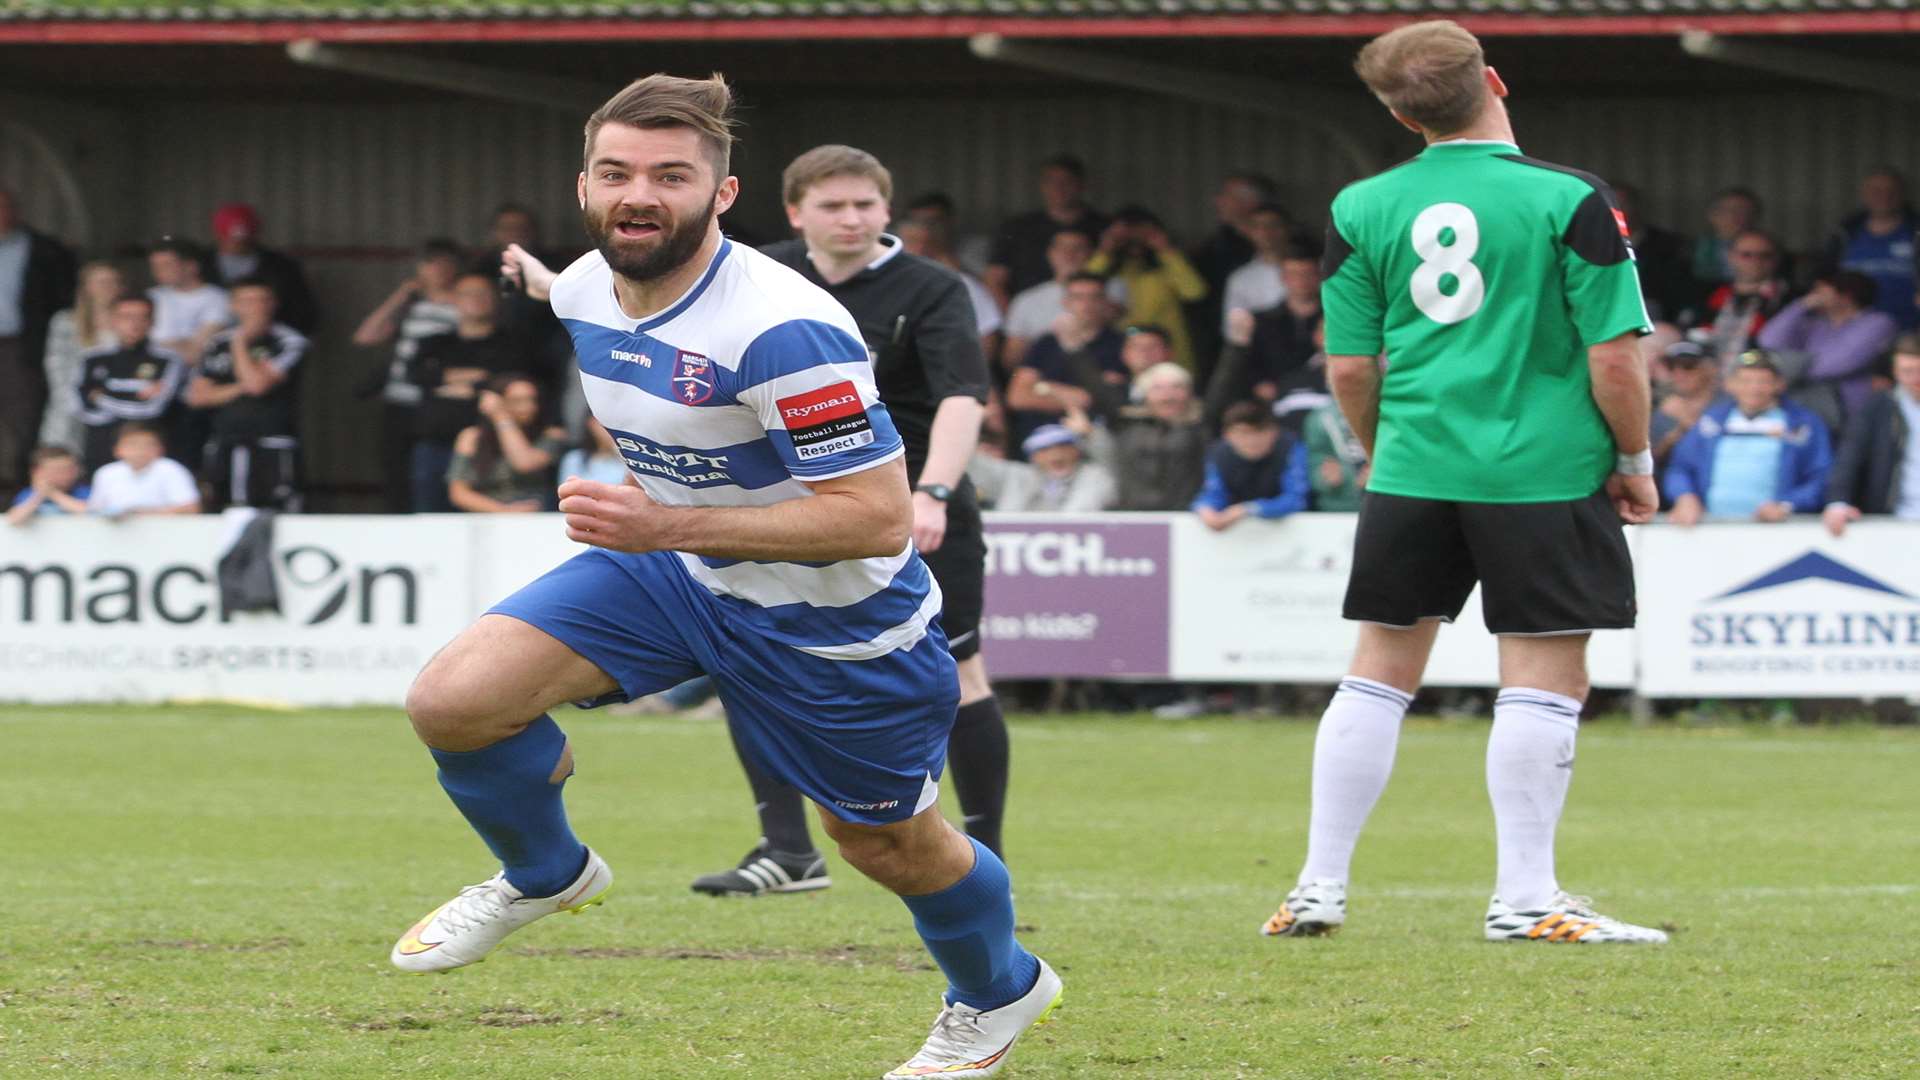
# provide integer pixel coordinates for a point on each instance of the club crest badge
(692, 378)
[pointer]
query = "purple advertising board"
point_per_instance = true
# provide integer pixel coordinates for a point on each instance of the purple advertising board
(1069, 598)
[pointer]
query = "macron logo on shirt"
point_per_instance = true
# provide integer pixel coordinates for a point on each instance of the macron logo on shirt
(825, 421)
(633, 357)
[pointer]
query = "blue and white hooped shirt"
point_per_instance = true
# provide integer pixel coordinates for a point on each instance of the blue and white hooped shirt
(752, 382)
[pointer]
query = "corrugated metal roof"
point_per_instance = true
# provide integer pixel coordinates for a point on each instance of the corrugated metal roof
(376, 11)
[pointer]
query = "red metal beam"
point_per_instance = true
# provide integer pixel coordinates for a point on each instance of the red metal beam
(94, 32)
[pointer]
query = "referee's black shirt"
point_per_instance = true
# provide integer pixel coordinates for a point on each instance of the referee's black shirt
(920, 329)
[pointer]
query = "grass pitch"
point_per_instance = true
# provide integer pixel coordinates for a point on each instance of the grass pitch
(213, 891)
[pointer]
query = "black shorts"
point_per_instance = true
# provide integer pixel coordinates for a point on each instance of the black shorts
(959, 564)
(1543, 568)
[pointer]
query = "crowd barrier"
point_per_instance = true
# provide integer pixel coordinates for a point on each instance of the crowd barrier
(96, 610)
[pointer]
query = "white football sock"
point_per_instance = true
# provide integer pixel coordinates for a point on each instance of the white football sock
(1529, 765)
(1352, 758)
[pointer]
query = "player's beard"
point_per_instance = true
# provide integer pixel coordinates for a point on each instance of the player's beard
(677, 242)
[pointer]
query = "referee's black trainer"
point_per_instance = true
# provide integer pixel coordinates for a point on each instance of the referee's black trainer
(767, 871)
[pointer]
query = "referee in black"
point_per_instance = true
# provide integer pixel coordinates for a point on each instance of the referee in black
(920, 328)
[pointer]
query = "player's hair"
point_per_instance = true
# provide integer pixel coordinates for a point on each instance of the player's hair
(1249, 414)
(667, 101)
(827, 162)
(50, 452)
(1433, 73)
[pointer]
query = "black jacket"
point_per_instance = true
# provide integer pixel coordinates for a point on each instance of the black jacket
(1866, 471)
(47, 288)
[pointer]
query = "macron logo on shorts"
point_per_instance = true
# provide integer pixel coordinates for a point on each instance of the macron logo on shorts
(825, 421)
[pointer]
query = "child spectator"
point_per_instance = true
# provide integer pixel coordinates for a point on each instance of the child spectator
(1255, 470)
(54, 486)
(143, 479)
(1751, 455)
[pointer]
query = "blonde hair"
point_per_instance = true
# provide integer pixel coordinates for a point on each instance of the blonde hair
(1433, 73)
(89, 319)
(826, 162)
(1164, 369)
(667, 101)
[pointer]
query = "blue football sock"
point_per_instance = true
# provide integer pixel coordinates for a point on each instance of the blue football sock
(968, 928)
(505, 793)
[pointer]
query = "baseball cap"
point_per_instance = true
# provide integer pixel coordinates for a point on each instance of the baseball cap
(236, 217)
(1757, 358)
(1048, 435)
(1685, 354)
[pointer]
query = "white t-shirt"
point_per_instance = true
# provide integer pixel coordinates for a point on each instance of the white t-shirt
(1256, 287)
(117, 489)
(181, 313)
(1031, 312)
(986, 310)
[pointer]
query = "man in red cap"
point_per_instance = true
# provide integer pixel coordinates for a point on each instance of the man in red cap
(236, 235)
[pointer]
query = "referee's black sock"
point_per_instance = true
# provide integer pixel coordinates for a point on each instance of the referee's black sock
(783, 813)
(977, 754)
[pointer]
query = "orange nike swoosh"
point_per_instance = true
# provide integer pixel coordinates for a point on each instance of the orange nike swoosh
(410, 943)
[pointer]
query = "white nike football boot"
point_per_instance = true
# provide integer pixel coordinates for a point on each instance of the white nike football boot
(1566, 919)
(1318, 907)
(967, 1043)
(466, 928)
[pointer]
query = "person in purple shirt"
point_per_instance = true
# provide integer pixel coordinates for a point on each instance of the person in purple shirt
(1878, 241)
(1835, 325)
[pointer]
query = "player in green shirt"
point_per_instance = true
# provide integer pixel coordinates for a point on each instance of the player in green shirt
(1507, 427)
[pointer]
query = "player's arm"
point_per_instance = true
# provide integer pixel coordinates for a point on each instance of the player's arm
(1603, 296)
(1354, 312)
(862, 515)
(946, 338)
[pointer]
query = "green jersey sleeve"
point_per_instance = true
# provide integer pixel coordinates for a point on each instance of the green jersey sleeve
(1354, 308)
(1598, 273)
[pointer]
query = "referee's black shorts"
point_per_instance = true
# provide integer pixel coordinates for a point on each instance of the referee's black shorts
(1543, 568)
(959, 564)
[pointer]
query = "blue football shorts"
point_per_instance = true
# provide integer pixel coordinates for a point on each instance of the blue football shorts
(866, 739)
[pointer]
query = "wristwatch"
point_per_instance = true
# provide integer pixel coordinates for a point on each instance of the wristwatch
(939, 492)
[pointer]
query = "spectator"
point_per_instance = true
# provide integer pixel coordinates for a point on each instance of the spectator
(36, 280)
(596, 457)
(238, 257)
(1269, 357)
(969, 253)
(1136, 249)
(1734, 313)
(1731, 212)
(421, 307)
(1661, 257)
(245, 387)
(1019, 259)
(1159, 447)
(1077, 365)
(143, 480)
(1834, 325)
(1056, 478)
(1878, 468)
(53, 486)
(1255, 470)
(1693, 384)
(1257, 285)
(71, 335)
(532, 320)
(186, 310)
(450, 370)
(1878, 241)
(1752, 455)
(1230, 246)
(1034, 311)
(927, 231)
(1336, 460)
(134, 379)
(504, 464)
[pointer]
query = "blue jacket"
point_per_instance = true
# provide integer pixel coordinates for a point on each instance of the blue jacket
(1804, 459)
(1291, 497)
